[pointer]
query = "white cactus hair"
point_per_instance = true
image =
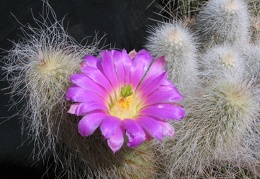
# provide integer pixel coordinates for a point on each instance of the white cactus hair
(255, 20)
(223, 20)
(177, 44)
(91, 158)
(210, 138)
(169, 34)
(251, 54)
(252, 61)
(219, 137)
(221, 60)
(38, 68)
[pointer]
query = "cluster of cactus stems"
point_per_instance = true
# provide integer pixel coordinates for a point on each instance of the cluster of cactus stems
(215, 64)
(219, 57)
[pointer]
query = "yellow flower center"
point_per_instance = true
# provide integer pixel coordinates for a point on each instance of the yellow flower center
(126, 106)
(125, 103)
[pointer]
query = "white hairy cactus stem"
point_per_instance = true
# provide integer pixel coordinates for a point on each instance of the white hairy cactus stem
(219, 61)
(212, 135)
(223, 21)
(176, 43)
(38, 68)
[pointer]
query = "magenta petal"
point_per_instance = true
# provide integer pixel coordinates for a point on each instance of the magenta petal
(168, 129)
(144, 56)
(132, 54)
(151, 126)
(151, 84)
(84, 108)
(88, 124)
(163, 95)
(91, 61)
(127, 61)
(141, 63)
(123, 64)
(77, 94)
(109, 126)
(116, 141)
(108, 68)
(164, 111)
(97, 76)
(168, 83)
(119, 67)
(73, 108)
(157, 67)
(135, 133)
(86, 83)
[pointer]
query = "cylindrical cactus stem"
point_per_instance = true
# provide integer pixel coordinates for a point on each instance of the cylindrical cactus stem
(223, 21)
(212, 135)
(256, 29)
(251, 54)
(91, 158)
(252, 62)
(38, 68)
(252, 144)
(254, 7)
(219, 61)
(177, 44)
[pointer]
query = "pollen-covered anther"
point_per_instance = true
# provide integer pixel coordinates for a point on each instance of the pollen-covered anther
(125, 106)
(125, 103)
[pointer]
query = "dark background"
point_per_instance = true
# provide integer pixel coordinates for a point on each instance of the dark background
(125, 24)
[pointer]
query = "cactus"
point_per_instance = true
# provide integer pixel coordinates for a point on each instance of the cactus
(251, 54)
(211, 136)
(177, 44)
(91, 158)
(219, 138)
(223, 21)
(184, 10)
(221, 60)
(254, 7)
(38, 68)
(217, 71)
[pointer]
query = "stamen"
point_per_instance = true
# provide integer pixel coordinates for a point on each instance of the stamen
(126, 106)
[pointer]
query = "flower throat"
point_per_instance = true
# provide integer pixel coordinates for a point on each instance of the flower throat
(125, 106)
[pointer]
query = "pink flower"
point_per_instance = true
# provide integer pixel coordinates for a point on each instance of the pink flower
(124, 94)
